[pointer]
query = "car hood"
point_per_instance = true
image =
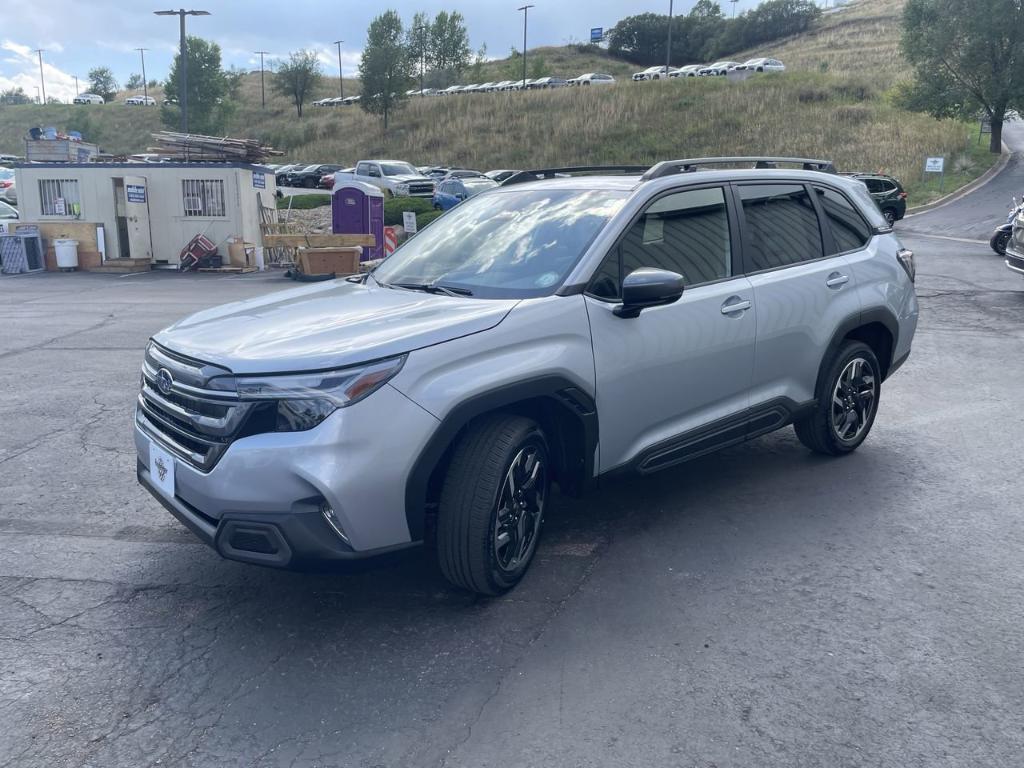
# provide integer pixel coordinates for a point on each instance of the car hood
(407, 178)
(327, 325)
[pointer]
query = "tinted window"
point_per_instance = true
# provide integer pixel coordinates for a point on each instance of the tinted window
(873, 185)
(782, 226)
(686, 232)
(849, 230)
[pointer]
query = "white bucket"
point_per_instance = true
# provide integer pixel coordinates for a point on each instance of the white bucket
(67, 253)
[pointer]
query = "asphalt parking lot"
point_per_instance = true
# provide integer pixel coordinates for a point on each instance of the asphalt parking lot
(760, 607)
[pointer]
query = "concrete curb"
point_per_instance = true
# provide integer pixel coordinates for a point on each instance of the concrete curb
(966, 189)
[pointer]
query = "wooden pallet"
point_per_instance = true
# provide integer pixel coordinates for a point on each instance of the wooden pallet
(228, 270)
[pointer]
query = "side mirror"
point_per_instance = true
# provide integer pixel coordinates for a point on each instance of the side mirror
(648, 287)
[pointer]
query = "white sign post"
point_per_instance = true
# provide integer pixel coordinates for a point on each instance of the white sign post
(936, 165)
(409, 222)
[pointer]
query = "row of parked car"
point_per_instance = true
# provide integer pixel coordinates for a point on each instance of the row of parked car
(529, 84)
(717, 69)
(138, 100)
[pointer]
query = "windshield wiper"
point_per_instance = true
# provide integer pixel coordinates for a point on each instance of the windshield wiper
(431, 288)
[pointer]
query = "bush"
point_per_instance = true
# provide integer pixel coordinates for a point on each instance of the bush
(396, 206)
(425, 218)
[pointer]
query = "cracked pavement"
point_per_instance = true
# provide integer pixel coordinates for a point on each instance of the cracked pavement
(758, 607)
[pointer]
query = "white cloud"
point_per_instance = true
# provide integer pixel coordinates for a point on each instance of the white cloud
(23, 73)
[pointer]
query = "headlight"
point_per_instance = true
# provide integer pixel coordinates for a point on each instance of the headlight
(303, 400)
(402, 189)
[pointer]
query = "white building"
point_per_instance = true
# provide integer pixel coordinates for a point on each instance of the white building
(144, 211)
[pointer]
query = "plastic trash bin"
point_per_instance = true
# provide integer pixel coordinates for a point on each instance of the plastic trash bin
(67, 253)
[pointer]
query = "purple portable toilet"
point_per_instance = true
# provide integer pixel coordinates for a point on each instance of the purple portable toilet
(357, 208)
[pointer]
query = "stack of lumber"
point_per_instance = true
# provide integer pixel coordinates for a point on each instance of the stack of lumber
(217, 149)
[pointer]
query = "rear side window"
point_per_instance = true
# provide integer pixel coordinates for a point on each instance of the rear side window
(782, 225)
(849, 230)
(686, 232)
(873, 185)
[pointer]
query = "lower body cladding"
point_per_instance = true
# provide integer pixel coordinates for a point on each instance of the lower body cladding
(331, 494)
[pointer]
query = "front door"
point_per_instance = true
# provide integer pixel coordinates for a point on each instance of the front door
(140, 239)
(664, 376)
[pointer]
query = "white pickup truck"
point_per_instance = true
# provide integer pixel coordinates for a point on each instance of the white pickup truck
(395, 178)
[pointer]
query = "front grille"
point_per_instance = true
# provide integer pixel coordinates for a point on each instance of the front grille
(192, 419)
(421, 189)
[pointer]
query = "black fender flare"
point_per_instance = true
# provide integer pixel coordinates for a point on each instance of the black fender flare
(880, 315)
(559, 391)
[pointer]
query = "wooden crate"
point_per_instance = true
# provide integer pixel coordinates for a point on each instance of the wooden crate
(328, 261)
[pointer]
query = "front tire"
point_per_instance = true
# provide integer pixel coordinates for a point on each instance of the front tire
(492, 504)
(847, 402)
(999, 242)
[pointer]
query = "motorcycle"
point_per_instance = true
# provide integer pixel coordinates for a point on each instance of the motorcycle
(1001, 237)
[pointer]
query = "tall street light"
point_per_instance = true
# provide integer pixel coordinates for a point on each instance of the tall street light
(183, 62)
(42, 82)
(526, 11)
(422, 29)
(734, 7)
(77, 91)
(263, 90)
(341, 79)
(668, 53)
(145, 85)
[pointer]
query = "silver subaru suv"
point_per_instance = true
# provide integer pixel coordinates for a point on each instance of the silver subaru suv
(569, 324)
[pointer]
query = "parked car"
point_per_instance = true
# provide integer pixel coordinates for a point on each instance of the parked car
(1014, 253)
(327, 180)
(437, 399)
(461, 173)
(8, 188)
(761, 65)
(592, 78)
(88, 98)
(395, 178)
(523, 85)
(717, 69)
(501, 175)
(140, 101)
(887, 192)
(451, 90)
(453, 190)
(10, 159)
(8, 211)
(547, 82)
(505, 85)
(651, 73)
(309, 177)
(690, 70)
(280, 175)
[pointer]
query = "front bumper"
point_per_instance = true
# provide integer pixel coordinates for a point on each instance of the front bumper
(273, 485)
(1014, 262)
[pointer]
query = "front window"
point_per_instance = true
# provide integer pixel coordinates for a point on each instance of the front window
(515, 244)
(398, 169)
(59, 197)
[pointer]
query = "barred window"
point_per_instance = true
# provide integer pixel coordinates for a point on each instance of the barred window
(203, 197)
(59, 197)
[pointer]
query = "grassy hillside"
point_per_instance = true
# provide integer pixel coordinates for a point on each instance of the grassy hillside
(831, 102)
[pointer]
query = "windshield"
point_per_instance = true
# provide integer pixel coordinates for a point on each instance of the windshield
(514, 244)
(478, 185)
(398, 169)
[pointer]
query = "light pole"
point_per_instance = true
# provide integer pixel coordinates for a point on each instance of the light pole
(526, 12)
(734, 7)
(668, 53)
(183, 62)
(423, 54)
(77, 90)
(145, 85)
(42, 81)
(341, 79)
(263, 90)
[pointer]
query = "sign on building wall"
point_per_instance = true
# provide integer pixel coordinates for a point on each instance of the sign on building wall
(136, 193)
(259, 180)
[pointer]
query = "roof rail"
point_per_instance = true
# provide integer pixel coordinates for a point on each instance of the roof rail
(670, 167)
(551, 173)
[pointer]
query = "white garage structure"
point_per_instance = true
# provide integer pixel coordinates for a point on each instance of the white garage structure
(149, 211)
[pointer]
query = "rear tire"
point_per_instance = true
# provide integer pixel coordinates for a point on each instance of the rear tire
(847, 402)
(492, 504)
(999, 242)
(890, 216)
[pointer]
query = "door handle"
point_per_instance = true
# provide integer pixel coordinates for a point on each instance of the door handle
(735, 304)
(837, 280)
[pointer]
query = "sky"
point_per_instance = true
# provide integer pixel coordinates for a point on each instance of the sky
(77, 35)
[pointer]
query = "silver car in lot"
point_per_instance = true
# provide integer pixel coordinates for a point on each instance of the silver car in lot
(546, 333)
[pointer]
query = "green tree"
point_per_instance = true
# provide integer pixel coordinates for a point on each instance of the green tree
(450, 53)
(298, 77)
(14, 96)
(211, 90)
(968, 57)
(385, 67)
(419, 43)
(102, 83)
(134, 82)
(477, 67)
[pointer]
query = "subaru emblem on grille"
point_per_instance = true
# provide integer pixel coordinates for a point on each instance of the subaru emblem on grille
(164, 381)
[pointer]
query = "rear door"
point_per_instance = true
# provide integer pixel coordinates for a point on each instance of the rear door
(677, 368)
(803, 290)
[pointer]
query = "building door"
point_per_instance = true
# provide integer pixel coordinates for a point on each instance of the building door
(140, 238)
